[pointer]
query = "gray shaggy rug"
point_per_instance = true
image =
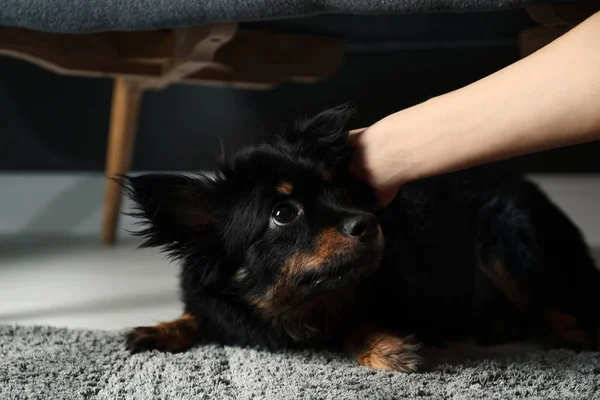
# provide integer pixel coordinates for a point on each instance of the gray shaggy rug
(53, 363)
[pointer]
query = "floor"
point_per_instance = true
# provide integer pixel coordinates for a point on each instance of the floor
(66, 278)
(76, 282)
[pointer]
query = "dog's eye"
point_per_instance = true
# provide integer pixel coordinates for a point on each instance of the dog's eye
(284, 213)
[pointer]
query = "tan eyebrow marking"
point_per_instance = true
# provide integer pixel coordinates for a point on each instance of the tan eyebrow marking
(284, 188)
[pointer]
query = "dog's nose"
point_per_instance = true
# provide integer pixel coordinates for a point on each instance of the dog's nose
(362, 226)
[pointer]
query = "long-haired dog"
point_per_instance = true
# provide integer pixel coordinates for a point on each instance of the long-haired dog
(283, 248)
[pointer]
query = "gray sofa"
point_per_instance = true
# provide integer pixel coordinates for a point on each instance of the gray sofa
(103, 15)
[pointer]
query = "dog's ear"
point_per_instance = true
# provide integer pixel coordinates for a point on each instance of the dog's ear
(176, 209)
(322, 138)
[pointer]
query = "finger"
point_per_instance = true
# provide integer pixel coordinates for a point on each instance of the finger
(385, 197)
(357, 131)
(354, 135)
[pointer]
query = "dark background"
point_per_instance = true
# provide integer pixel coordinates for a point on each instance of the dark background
(56, 123)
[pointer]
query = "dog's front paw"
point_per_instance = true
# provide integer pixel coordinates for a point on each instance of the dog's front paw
(383, 350)
(143, 338)
(175, 336)
(390, 353)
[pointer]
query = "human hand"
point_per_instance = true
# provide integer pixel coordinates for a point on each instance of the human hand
(544, 101)
(374, 164)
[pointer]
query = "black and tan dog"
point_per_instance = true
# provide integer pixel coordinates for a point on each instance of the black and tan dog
(283, 249)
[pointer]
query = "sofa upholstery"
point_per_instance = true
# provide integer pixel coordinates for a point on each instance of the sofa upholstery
(104, 15)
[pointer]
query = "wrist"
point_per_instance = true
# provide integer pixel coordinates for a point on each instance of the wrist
(412, 141)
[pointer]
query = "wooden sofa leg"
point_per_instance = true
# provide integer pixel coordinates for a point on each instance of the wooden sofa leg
(127, 96)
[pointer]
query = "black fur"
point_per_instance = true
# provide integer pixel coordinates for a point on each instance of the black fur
(429, 279)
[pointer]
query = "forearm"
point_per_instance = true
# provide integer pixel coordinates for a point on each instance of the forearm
(547, 100)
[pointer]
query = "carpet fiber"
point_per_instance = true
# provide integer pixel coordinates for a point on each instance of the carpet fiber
(52, 363)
